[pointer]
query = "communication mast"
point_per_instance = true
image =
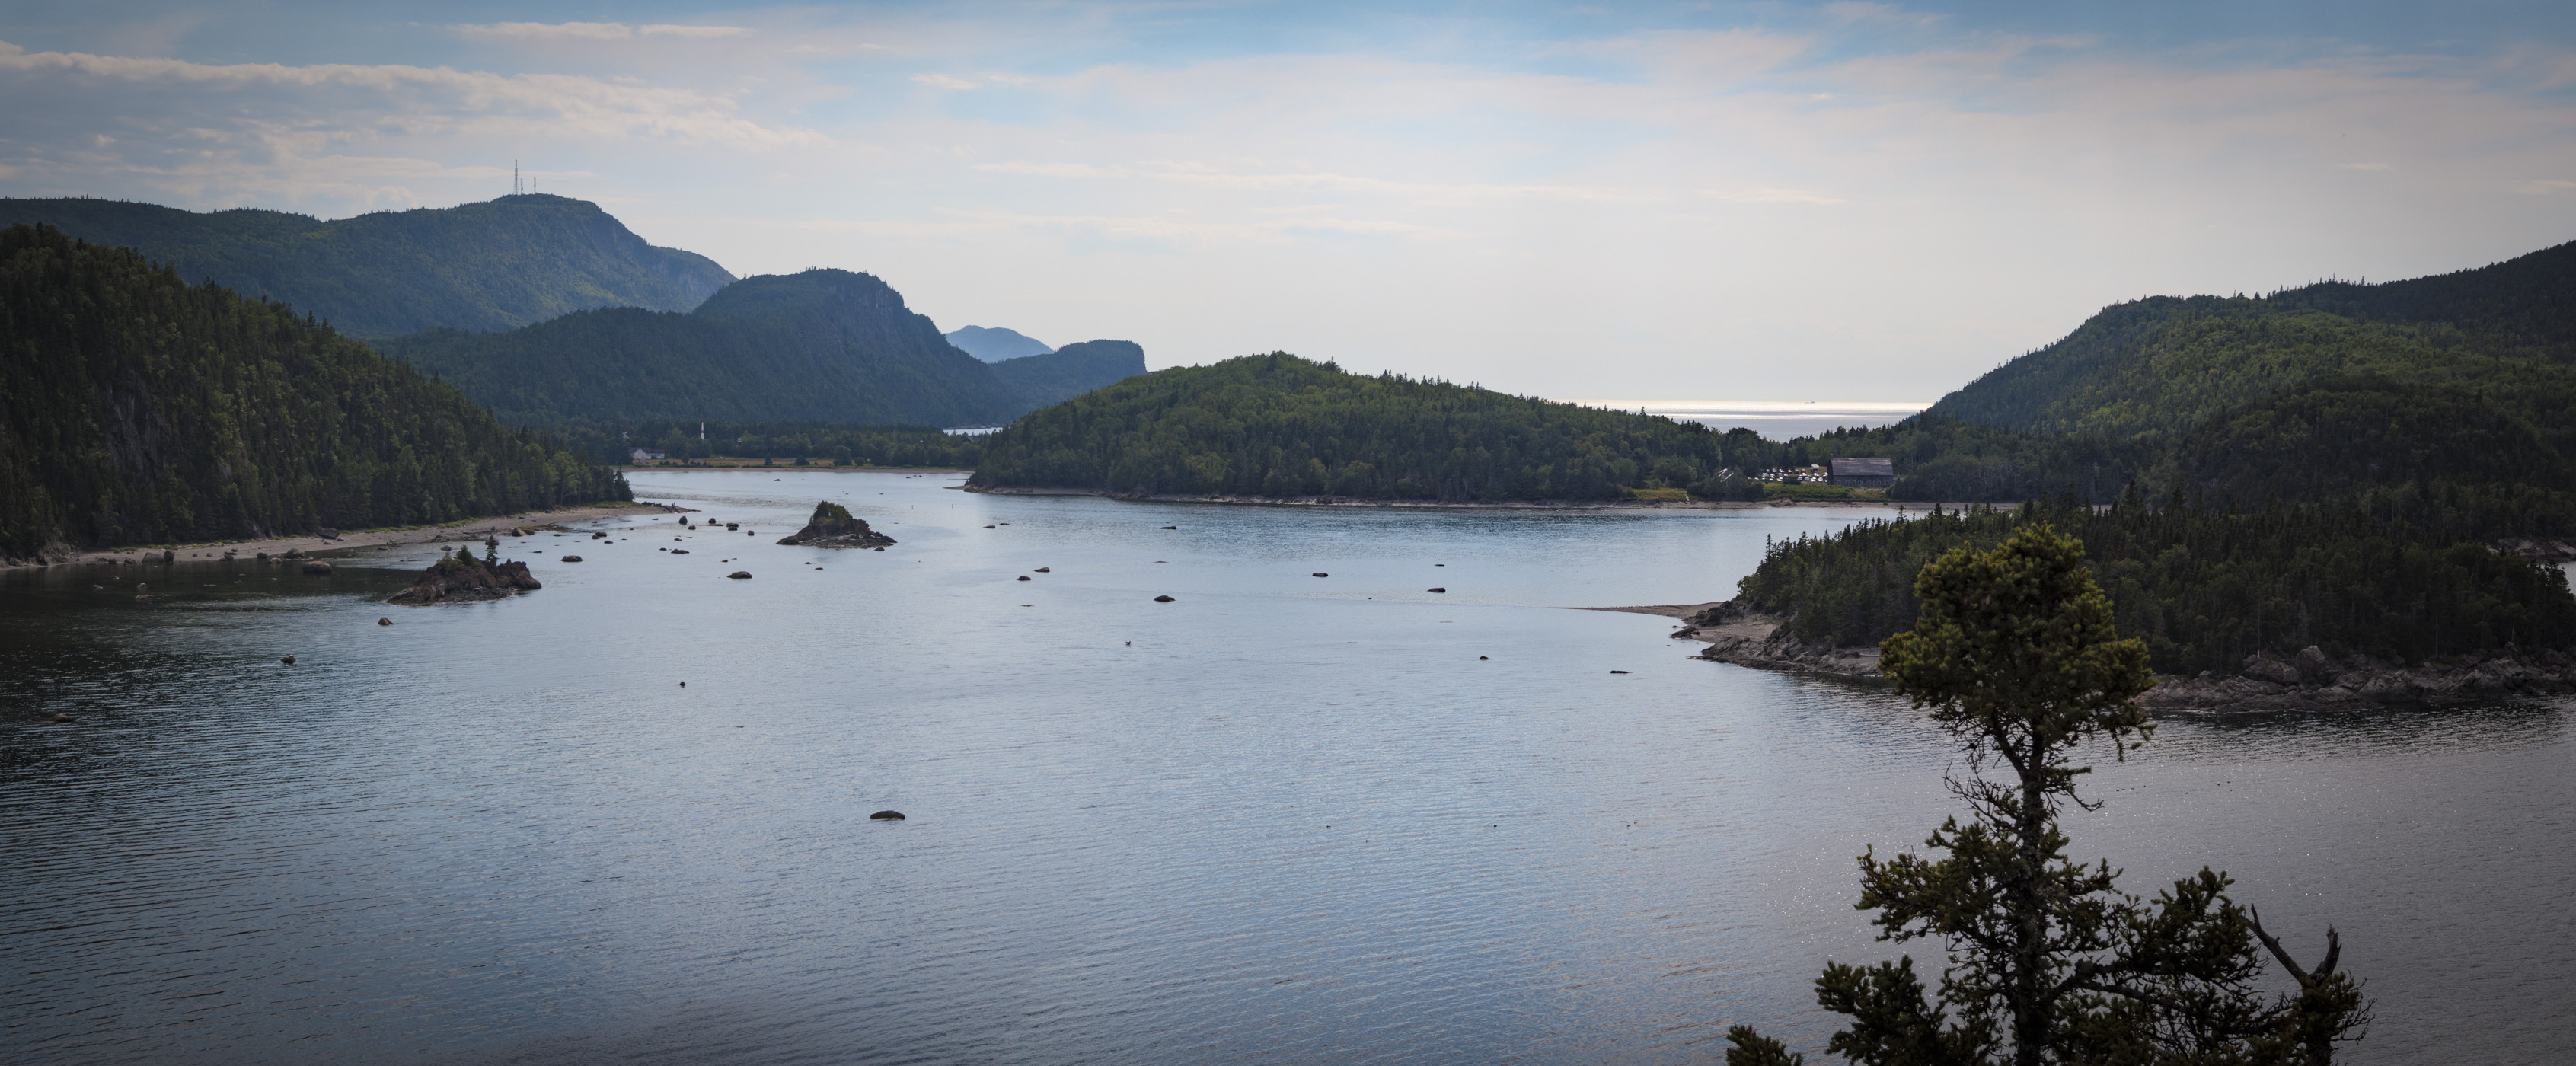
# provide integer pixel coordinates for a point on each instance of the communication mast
(514, 177)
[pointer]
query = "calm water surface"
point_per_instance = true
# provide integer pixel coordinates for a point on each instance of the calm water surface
(1282, 819)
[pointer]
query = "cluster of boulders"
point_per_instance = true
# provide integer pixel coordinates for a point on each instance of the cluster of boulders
(2312, 679)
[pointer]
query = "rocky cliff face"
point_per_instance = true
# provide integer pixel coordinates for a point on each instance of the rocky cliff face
(464, 579)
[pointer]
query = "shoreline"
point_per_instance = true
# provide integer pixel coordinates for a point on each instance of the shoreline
(469, 529)
(1905, 506)
(2308, 681)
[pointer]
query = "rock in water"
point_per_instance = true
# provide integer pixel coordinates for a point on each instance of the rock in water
(464, 579)
(572, 558)
(288, 660)
(832, 527)
(1440, 589)
(886, 816)
(1320, 573)
(1025, 577)
(318, 568)
(1162, 599)
(384, 621)
(739, 574)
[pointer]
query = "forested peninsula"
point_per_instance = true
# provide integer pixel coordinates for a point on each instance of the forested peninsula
(2289, 605)
(141, 408)
(1280, 427)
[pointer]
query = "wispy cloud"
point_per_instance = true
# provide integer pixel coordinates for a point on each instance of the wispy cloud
(595, 31)
(943, 81)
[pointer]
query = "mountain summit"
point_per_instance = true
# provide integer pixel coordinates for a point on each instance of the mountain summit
(996, 344)
(495, 265)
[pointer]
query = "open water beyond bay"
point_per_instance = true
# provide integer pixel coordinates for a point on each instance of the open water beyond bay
(1283, 818)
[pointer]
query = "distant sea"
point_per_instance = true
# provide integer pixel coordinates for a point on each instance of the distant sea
(1774, 419)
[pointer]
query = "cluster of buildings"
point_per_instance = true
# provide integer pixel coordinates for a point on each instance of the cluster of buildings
(1857, 473)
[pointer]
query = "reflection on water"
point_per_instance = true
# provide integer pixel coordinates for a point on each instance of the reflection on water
(1282, 818)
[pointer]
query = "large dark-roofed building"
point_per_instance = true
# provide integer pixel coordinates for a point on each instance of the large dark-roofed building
(1865, 473)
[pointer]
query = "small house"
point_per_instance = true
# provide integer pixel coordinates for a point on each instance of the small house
(1865, 473)
(645, 455)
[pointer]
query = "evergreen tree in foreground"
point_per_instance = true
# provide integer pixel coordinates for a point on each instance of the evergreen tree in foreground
(2015, 654)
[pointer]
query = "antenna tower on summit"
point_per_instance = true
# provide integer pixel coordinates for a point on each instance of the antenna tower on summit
(514, 177)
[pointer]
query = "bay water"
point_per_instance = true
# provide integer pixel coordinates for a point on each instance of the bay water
(1281, 818)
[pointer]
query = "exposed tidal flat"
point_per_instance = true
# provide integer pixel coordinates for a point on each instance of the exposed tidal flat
(1281, 818)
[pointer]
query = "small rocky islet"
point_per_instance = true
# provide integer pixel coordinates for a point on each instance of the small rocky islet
(462, 578)
(832, 526)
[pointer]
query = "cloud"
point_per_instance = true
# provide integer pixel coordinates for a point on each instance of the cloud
(942, 81)
(1192, 174)
(1771, 196)
(594, 31)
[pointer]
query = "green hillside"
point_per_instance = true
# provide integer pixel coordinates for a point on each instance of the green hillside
(484, 266)
(1054, 377)
(140, 408)
(2163, 365)
(816, 346)
(1280, 426)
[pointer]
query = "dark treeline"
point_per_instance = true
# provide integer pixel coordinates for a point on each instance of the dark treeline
(142, 409)
(1279, 426)
(2203, 588)
(836, 442)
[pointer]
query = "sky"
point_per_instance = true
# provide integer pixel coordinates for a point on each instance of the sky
(1733, 201)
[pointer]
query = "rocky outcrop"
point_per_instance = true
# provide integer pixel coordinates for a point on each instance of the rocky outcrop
(833, 527)
(1746, 637)
(2536, 549)
(2312, 680)
(462, 578)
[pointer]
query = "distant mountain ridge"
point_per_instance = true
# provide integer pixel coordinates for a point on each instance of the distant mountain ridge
(822, 345)
(1053, 377)
(494, 265)
(996, 344)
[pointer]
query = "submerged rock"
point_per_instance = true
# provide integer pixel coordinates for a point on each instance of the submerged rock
(318, 568)
(464, 579)
(833, 527)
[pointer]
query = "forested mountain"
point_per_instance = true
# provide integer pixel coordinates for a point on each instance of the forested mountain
(2164, 364)
(1278, 426)
(1070, 371)
(996, 344)
(816, 346)
(819, 346)
(485, 266)
(138, 408)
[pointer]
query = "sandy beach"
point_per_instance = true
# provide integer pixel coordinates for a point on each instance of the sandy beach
(473, 530)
